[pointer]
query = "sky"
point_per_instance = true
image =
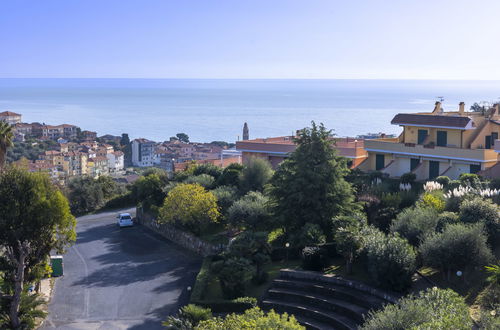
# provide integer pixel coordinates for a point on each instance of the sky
(308, 39)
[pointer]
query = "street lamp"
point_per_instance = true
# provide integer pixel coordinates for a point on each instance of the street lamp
(287, 245)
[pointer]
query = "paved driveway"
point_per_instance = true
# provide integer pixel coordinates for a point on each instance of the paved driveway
(114, 278)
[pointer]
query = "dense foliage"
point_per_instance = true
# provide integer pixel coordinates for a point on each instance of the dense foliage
(88, 194)
(310, 186)
(35, 219)
(251, 212)
(190, 206)
(255, 175)
(391, 260)
(414, 223)
(458, 247)
(431, 309)
(252, 319)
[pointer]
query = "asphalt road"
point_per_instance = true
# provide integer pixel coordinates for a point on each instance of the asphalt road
(114, 278)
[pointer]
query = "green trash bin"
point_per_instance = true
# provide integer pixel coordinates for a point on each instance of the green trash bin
(56, 262)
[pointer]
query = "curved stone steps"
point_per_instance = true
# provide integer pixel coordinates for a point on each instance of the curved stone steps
(336, 291)
(332, 319)
(342, 307)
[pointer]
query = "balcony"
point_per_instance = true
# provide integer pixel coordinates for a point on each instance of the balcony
(410, 149)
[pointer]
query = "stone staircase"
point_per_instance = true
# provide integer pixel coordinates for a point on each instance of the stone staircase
(323, 302)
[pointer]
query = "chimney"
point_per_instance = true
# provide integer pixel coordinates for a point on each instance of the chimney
(461, 108)
(437, 108)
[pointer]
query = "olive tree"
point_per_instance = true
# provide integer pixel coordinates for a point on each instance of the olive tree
(457, 247)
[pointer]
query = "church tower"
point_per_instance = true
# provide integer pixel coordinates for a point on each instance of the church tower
(246, 136)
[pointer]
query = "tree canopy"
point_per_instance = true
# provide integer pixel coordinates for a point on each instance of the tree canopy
(253, 318)
(431, 309)
(310, 185)
(35, 219)
(190, 206)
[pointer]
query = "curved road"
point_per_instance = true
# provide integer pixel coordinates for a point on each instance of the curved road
(114, 278)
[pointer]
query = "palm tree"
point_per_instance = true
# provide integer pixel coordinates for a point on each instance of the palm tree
(6, 138)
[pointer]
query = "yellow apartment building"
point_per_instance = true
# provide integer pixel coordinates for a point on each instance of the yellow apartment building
(437, 143)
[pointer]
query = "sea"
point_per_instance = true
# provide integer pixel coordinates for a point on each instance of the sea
(216, 109)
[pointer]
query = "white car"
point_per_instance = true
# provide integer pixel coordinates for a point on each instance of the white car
(124, 220)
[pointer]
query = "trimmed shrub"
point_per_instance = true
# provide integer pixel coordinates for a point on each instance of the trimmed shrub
(458, 247)
(443, 180)
(481, 210)
(391, 260)
(313, 258)
(408, 178)
(431, 309)
(414, 223)
(228, 306)
(471, 180)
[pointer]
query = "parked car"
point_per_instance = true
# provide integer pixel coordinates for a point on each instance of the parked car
(124, 220)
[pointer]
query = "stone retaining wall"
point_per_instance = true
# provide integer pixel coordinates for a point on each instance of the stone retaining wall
(179, 237)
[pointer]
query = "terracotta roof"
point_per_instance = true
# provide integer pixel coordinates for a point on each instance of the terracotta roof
(9, 113)
(430, 120)
(118, 153)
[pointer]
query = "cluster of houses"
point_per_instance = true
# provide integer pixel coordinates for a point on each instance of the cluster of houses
(73, 159)
(431, 144)
(175, 155)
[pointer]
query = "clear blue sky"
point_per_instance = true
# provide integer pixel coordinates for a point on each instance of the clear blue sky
(435, 39)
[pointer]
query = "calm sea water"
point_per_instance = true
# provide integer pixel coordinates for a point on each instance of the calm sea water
(210, 110)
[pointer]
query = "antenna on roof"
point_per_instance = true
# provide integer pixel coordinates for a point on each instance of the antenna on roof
(440, 98)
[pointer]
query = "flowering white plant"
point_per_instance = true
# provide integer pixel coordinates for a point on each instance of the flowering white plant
(462, 191)
(432, 185)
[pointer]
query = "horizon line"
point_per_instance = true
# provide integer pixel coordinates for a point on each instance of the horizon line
(297, 78)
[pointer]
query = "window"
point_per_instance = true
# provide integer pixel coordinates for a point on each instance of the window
(379, 162)
(442, 138)
(422, 134)
(475, 168)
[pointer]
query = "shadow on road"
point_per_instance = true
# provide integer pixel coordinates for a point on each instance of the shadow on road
(134, 255)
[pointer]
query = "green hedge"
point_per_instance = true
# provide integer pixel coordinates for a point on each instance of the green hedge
(202, 280)
(227, 306)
